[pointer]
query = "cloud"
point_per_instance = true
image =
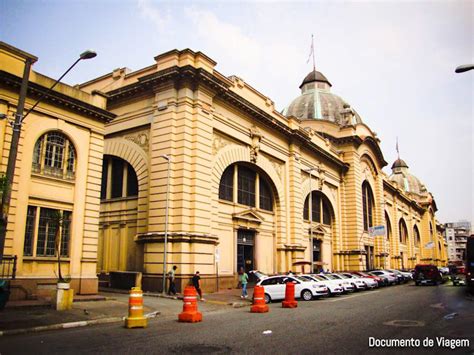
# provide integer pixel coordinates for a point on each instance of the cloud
(161, 20)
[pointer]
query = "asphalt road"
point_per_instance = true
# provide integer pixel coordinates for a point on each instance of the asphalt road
(341, 325)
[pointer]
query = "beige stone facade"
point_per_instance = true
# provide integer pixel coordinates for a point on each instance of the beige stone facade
(58, 168)
(248, 186)
(231, 151)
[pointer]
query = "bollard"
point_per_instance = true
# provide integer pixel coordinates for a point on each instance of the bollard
(135, 317)
(259, 305)
(190, 312)
(289, 301)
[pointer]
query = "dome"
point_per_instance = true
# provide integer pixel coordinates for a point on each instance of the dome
(317, 102)
(399, 164)
(403, 178)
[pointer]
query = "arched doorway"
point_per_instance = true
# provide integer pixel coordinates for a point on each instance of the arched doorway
(118, 217)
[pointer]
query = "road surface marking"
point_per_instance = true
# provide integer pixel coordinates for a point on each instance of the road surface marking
(351, 296)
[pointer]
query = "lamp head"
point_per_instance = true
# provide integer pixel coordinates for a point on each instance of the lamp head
(88, 54)
(463, 68)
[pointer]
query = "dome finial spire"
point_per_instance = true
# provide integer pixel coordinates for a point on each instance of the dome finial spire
(398, 151)
(311, 53)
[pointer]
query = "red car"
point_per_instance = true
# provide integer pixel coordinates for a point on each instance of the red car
(363, 274)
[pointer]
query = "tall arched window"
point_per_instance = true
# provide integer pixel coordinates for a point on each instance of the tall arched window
(431, 231)
(388, 226)
(416, 235)
(367, 205)
(248, 194)
(54, 155)
(402, 231)
(320, 208)
(118, 179)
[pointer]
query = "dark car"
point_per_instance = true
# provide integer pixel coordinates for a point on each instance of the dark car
(427, 274)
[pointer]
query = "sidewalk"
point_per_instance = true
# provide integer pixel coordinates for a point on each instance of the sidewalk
(20, 317)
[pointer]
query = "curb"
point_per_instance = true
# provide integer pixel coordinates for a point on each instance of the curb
(61, 326)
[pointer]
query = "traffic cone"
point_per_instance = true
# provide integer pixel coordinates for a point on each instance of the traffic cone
(259, 305)
(190, 312)
(289, 301)
(135, 317)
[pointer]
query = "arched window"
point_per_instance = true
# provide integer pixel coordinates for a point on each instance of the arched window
(402, 231)
(118, 179)
(431, 231)
(320, 208)
(367, 205)
(416, 235)
(247, 182)
(388, 226)
(54, 155)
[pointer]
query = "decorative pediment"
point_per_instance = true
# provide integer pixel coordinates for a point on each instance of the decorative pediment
(317, 231)
(248, 216)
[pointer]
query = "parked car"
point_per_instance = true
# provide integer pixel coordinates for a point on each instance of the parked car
(379, 280)
(275, 287)
(346, 285)
(427, 274)
(334, 286)
(400, 275)
(388, 277)
(368, 282)
(358, 284)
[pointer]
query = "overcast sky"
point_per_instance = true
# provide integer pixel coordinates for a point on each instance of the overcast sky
(392, 61)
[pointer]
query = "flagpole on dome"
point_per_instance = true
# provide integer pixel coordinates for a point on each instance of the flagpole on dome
(311, 53)
(398, 151)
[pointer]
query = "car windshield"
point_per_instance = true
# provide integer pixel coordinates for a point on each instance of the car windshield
(300, 278)
(363, 274)
(332, 277)
(337, 277)
(319, 278)
(307, 278)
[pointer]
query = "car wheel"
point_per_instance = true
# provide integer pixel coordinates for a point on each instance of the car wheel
(267, 298)
(306, 295)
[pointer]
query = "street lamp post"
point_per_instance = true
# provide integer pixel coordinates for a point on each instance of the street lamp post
(19, 118)
(168, 158)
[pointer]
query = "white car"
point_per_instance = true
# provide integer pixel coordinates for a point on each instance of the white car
(346, 285)
(275, 287)
(334, 286)
(358, 284)
(369, 283)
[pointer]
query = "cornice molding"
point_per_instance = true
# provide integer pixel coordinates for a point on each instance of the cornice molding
(56, 98)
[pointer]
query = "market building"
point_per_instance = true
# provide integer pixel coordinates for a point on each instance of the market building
(249, 186)
(240, 179)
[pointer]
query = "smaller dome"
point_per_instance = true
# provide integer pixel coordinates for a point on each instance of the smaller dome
(399, 163)
(315, 76)
(403, 178)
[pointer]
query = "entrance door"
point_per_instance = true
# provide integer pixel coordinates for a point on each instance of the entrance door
(317, 265)
(245, 249)
(369, 257)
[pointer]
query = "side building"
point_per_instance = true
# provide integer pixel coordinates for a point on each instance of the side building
(249, 186)
(58, 169)
(456, 235)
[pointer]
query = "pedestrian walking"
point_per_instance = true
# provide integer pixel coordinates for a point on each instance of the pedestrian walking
(239, 282)
(171, 278)
(197, 285)
(244, 281)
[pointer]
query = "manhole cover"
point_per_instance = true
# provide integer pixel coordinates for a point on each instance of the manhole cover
(405, 323)
(200, 349)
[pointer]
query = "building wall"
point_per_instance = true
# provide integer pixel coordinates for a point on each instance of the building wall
(36, 275)
(206, 123)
